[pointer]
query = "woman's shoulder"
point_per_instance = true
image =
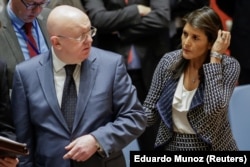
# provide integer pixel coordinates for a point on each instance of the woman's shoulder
(173, 54)
(171, 57)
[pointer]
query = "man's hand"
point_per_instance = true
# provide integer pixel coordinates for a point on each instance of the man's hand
(81, 149)
(8, 162)
(143, 10)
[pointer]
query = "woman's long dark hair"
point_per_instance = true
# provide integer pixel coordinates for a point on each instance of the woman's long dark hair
(207, 20)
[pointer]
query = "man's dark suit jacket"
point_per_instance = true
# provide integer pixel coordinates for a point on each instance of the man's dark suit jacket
(10, 50)
(239, 10)
(6, 124)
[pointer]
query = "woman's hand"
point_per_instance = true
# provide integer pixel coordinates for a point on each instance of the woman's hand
(222, 42)
(8, 162)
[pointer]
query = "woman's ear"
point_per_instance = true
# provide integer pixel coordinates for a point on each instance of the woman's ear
(210, 45)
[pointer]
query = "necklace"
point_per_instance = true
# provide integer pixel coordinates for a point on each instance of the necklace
(193, 80)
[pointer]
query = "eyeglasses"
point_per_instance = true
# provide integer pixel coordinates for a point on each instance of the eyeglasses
(34, 5)
(84, 36)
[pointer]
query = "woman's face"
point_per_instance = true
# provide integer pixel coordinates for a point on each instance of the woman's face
(195, 44)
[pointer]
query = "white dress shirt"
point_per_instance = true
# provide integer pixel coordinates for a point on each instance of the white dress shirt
(60, 76)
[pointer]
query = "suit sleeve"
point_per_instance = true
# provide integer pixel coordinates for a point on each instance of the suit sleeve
(130, 119)
(126, 19)
(157, 20)
(110, 20)
(220, 80)
(21, 118)
(6, 124)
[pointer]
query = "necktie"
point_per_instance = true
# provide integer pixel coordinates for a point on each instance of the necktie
(31, 43)
(133, 61)
(69, 98)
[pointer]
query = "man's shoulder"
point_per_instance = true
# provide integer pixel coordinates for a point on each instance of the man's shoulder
(105, 54)
(102, 51)
(46, 11)
(44, 14)
(33, 62)
(4, 18)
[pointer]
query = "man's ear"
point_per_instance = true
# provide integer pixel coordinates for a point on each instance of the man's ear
(55, 42)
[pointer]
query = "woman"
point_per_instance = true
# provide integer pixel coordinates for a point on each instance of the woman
(191, 88)
(6, 127)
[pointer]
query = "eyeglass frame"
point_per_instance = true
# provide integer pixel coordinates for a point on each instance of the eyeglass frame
(83, 37)
(34, 5)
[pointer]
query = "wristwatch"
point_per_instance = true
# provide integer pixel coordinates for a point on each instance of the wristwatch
(216, 55)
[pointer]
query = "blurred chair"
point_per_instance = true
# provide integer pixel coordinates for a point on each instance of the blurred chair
(133, 146)
(239, 116)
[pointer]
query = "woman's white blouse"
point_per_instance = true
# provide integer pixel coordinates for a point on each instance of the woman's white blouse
(181, 104)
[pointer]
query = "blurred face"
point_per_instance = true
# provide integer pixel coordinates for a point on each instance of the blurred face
(28, 10)
(195, 44)
(74, 43)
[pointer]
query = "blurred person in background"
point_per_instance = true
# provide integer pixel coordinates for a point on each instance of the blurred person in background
(6, 123)
(15, 43)
(75, 3)
(239, 11)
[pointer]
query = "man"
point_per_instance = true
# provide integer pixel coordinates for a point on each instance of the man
(14, 43)
(6, 124)
(107, 115)
(138, 30)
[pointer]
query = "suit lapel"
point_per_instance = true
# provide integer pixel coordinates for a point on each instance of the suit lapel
(46, 77)
(164, 104)
(198, 97)
(87, 79)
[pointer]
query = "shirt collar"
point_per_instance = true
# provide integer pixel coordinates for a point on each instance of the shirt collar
(57, 63)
